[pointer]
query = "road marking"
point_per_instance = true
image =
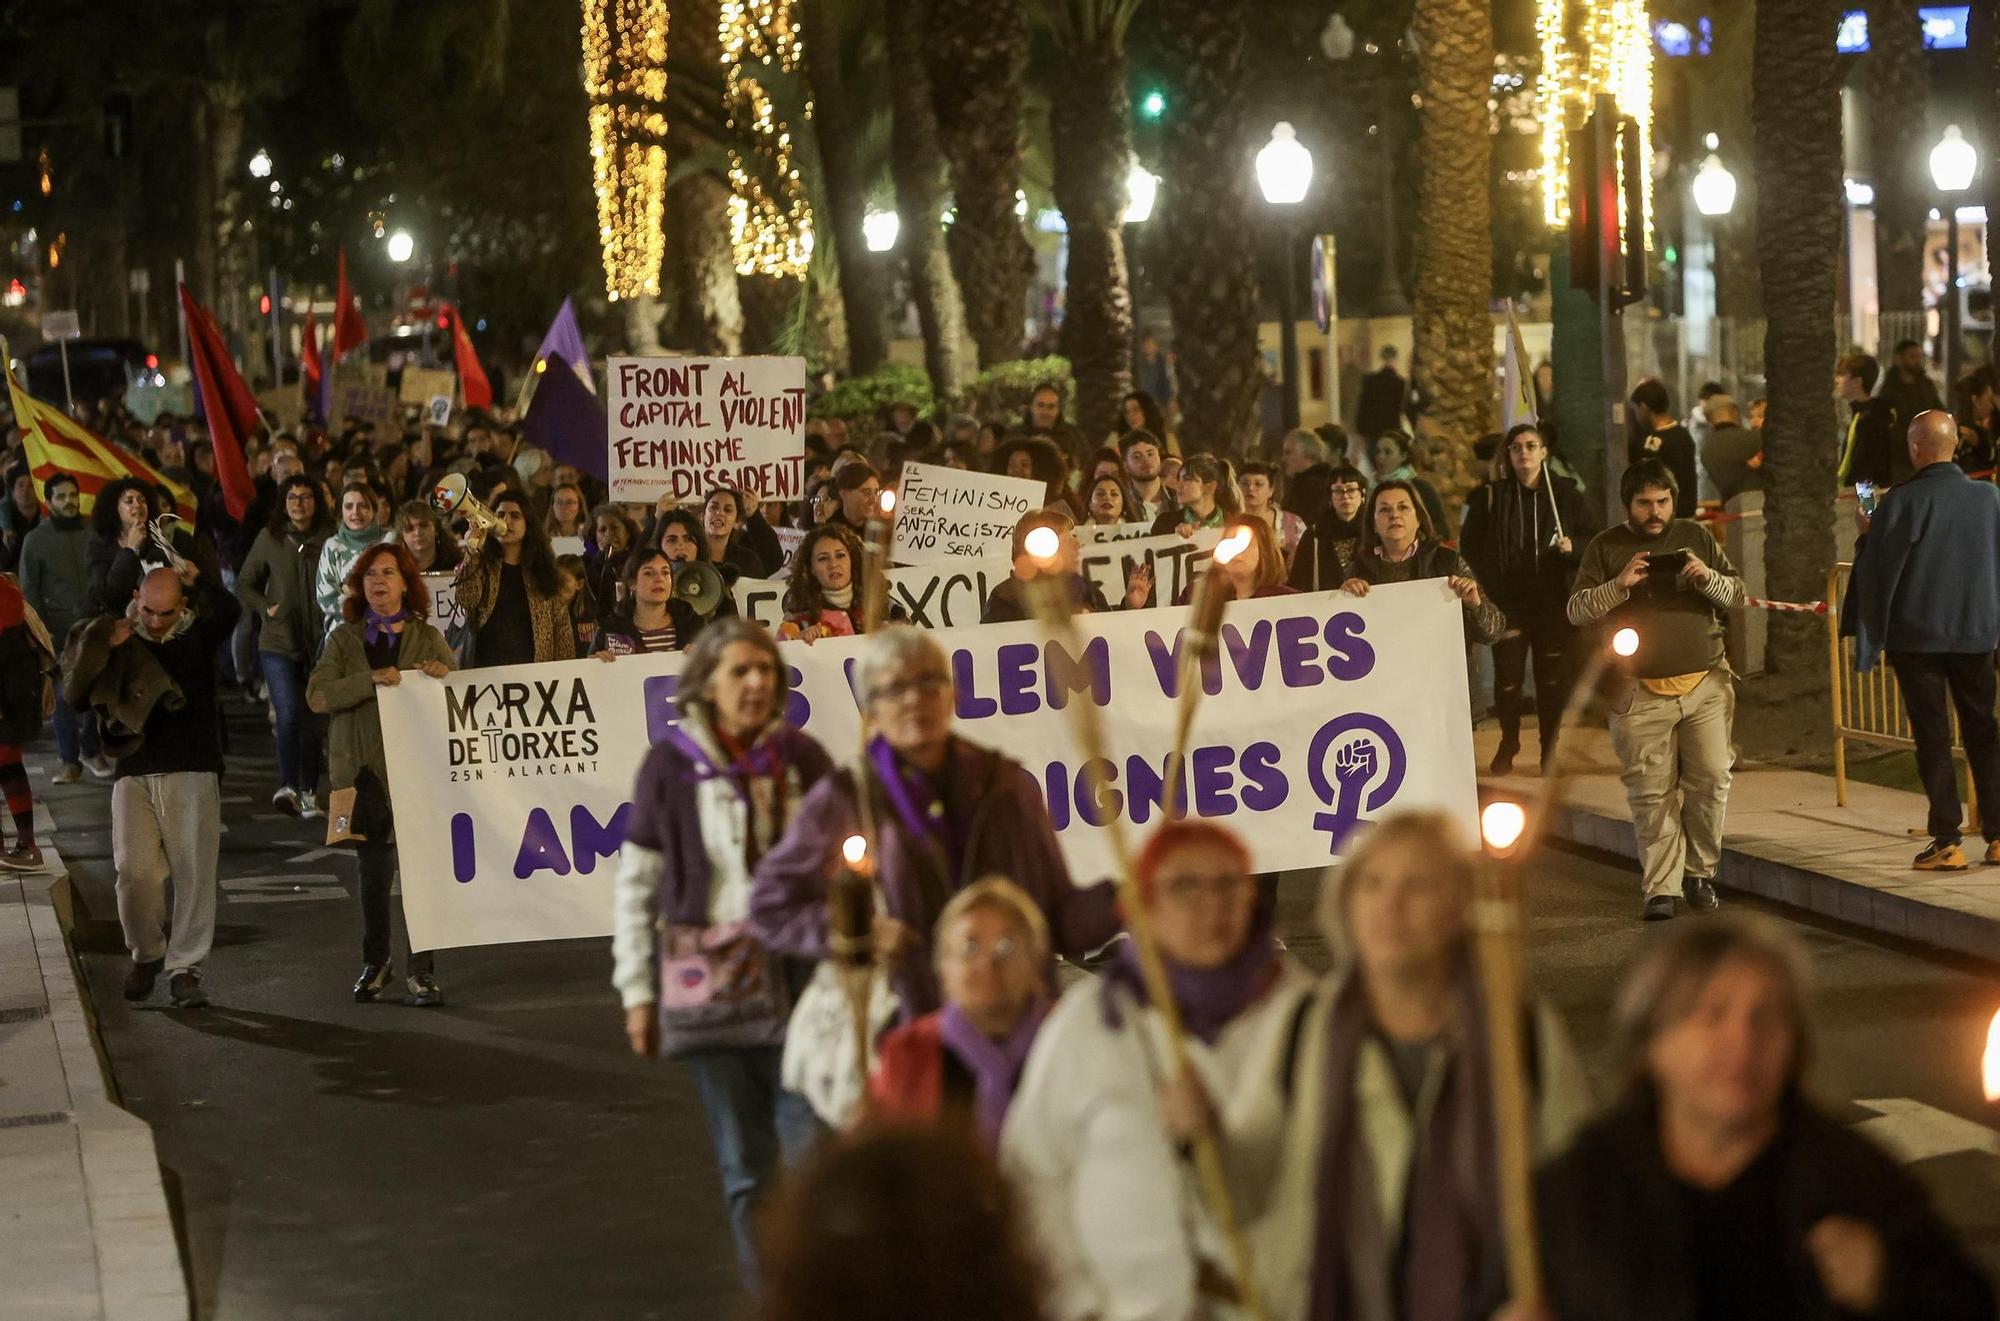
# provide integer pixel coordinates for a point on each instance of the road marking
(283, 889)
(314, 855)
(1913, 1131)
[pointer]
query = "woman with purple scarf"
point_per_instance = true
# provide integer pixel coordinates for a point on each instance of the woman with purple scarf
(1096, 1138)
(1387, 1208)
(714, 795)
(963, 1062)
(946, 813)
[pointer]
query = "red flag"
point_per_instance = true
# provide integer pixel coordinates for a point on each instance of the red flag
(309, 369)
(472, 382)
(228, 405)
(349, 330)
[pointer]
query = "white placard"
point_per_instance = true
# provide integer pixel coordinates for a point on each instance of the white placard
(760, 599)
(954, 514)
(438, 412)
(1323, 711)
(446, 614)
(684, 426)
(562, 546)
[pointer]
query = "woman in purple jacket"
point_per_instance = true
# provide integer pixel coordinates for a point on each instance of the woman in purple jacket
(946, 813)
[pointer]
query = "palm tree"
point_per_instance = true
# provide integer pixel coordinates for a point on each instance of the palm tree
(978, 56)
(917, 163)
(1090, 130)
(1795, 90)
(830, 27)
(709, 318)
(1453, 324)
(1210, 272)
(1982, 42)
(1898, 96)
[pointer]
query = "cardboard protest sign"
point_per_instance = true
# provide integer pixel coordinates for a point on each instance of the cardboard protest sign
(420, 385)
(364, 401)
(954, 514)
(1322, 712)
(684, 426)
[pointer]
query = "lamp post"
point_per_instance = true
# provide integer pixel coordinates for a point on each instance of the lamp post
(1284, 173)
(1953, 162)
(879, 230)
(1714, 190)
(1142, 189)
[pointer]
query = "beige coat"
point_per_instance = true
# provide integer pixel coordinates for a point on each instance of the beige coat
(343, 686)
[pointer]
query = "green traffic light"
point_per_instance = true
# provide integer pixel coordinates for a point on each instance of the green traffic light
(1153, 105)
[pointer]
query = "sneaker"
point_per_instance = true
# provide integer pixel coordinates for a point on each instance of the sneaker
(1941, 855)
(184, 988)
(1659, 908)
(1503, 756)
(423, 991)
(309, 808)
(1993, 852)
(101, 766)
(1699, 891)
(139, 981)
(71, 772)
(286, 800)
(370, 984)
(22, 857)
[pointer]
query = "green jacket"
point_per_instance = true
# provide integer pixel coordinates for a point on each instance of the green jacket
(343, 686)
(277, 573)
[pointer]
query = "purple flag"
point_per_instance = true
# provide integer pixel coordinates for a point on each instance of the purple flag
(565, 341)
(567, 420)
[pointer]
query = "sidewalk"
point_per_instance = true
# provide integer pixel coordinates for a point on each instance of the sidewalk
(1786, 841)
(84, 1228)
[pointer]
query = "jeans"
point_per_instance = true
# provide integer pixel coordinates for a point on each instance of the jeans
(378, 874)
(1933, 683)
(298, 728)
(752, 1122)
(1545, 637)
(76, 731)
(1677, 760)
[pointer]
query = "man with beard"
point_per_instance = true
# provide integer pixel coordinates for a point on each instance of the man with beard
(1326, 554)
(1141, 452)
(1667, 578)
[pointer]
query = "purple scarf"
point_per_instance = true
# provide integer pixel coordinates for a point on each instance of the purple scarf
(920, 808)
(995, 1065)
(763, 758)
(1209, 998)
(376, 628)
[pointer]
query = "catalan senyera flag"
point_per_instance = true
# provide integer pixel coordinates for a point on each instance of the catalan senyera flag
(57, 442)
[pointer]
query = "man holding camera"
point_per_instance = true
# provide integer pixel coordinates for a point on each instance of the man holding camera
(1667, 579)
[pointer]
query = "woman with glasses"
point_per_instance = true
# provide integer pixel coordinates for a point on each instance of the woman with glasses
(1401, 546)
(946, 812)
(1094, 1139)
(962, 1063)
(1332, 542)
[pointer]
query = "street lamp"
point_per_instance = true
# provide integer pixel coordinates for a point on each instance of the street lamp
(879, 230)
(1284, 173)
(260, 164)
(401, 245)
(1953, 162)
(1714, 188)
(1142, 187)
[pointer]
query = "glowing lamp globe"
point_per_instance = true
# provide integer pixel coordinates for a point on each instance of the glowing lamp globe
(1714, 188)
(1284, 167)
(1142, 188)
(1953, 161)
(879, 230)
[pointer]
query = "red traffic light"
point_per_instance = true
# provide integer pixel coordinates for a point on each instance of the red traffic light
(444, 322)
(264, 305)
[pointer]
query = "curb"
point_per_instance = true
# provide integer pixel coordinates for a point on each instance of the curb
(1799, 887)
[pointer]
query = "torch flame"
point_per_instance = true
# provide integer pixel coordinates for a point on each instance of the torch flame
(854, 849)
(1501, 824)
(1042, 544)
(1232, 545)
(1989, 1065)
(887, 503)
(1625, 641)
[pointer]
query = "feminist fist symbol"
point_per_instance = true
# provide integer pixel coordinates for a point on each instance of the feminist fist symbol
(1355, 766)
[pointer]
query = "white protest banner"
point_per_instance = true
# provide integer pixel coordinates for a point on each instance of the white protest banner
(954, 514)
(1090, 534)
(949, 593)
(788, 544)
(1175, 561)
(760, 600)
(1323, 711)
(446, 613)
(683, 426)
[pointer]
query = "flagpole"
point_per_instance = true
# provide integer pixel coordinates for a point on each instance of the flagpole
(277, 330)
(180, 313)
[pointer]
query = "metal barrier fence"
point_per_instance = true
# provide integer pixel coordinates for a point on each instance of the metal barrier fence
(1868, 708)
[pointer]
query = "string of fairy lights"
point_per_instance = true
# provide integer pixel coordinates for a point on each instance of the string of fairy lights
(625, 79)
(770, 228)
(1588, 47)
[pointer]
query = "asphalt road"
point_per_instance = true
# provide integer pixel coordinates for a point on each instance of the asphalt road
(504, 1156)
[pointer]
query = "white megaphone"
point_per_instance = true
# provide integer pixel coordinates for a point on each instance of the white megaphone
(451, 496)
(699, 585)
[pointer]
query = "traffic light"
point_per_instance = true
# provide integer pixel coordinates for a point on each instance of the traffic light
(1602, 254)
(264, 305)
(1153, 104)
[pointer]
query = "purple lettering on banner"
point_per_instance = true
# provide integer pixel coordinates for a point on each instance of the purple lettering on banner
(541, 849)
(1146, 788)
(1017, 678)
(1068, 674)
(1248, 657)
(1055, 788)
(971, 706)
(1096, 801)
(1212, 781)
(1264, 785)
(1352, 658)
(464, 857)
(589, 841)
(657, 696)
(1298, 652)
(1167, 665)
(797, 709)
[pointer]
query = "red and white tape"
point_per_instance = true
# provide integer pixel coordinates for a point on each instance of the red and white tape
(1789, 607)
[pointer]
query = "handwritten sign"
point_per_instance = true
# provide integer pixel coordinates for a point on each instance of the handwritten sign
(954, 514)
(446, 613)
(420, 385)
(365, 401)
(788, 543)
(684, 426)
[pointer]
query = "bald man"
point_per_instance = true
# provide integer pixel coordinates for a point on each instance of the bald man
(166, 801)
(1926, 592)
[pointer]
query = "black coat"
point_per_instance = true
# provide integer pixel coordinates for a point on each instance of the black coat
(1674, 447)
(1615, 1238)
(1509, 538)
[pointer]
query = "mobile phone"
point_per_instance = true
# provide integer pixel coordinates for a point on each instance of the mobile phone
(1666, 563)
(1864, 493)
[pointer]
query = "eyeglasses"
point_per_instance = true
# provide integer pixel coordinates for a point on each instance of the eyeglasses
(971, 951)
(1347, 488)
(1222, 885)
(921, 685)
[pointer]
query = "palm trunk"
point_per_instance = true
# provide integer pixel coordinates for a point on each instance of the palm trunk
(846, 200)
(1091, 134)
(1796, 106)
(1453, 323)
(917, 162)
(978, 53)
(1210, 271)
(1982, 49)
(710, 316)
(1898, 95)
